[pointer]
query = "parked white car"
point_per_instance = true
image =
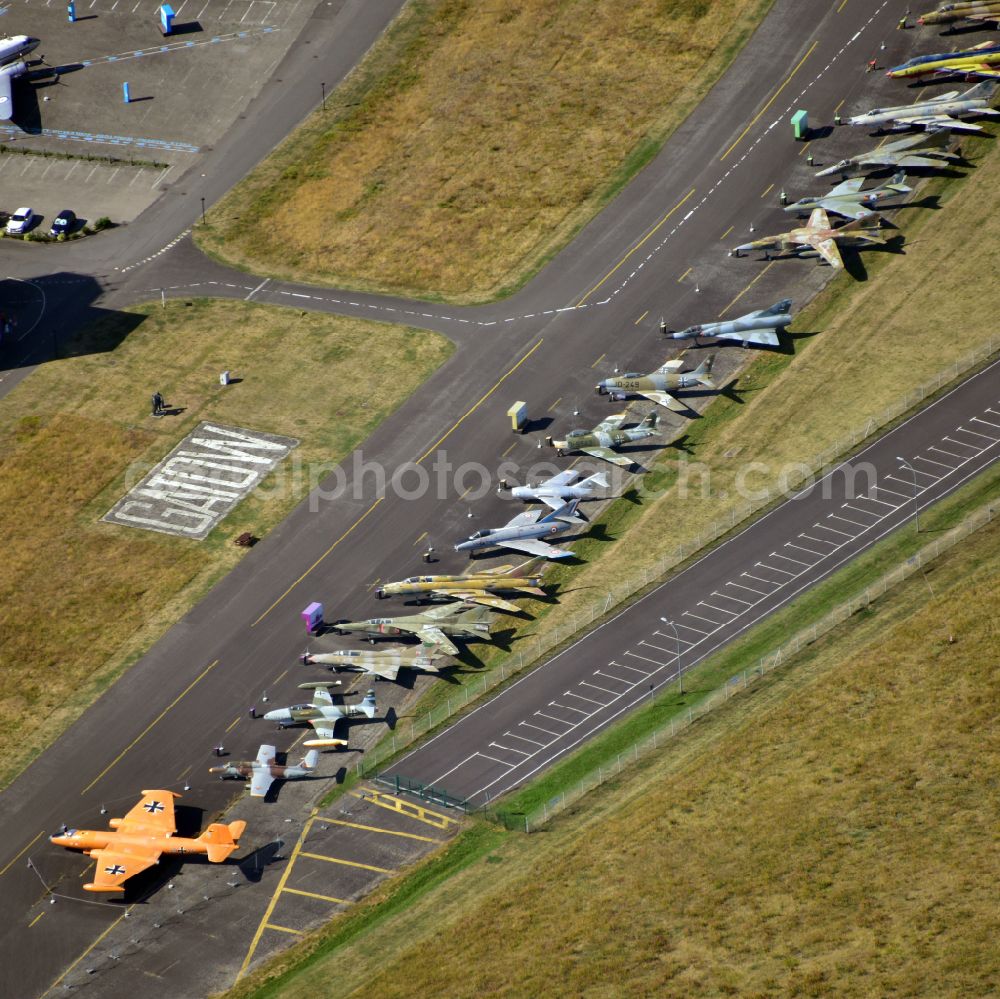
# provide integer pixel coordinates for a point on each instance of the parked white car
(20, 221)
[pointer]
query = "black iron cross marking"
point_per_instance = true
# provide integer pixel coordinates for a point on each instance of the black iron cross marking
(153, 807)
(114, 870)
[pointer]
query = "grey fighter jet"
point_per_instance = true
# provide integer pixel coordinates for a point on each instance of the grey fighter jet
(943, 111)
(849, 200)
(560, 489)
(759, 328)
(263, 771)
(382, 663)
(920, 150)
(654, 385)
(607, 435)
(525, 532)
(322, 714)
(432, 626)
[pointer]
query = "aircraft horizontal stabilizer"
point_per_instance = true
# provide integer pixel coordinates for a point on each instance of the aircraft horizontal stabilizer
(767, 338)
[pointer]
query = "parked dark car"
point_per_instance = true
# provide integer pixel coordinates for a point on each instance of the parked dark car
(63, 223)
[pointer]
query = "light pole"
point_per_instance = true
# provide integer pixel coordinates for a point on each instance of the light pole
(323, 86)
(677, 639)
(916, 509)
(202, 211)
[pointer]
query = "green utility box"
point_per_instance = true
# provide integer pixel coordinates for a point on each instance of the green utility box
(800, 124)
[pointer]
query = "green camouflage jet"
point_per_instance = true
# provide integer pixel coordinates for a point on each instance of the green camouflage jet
(654, 385)
(606, 436)
(432, 627)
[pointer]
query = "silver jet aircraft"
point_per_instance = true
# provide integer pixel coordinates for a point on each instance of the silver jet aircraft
(921, 150)
(561, 488)
(322, 714)
(759, 328)
(654, 385)
(943, 111)
(525, 531)
(607, 435)
(12, 65)
(263, 771)
(849, 200)
(382, 663)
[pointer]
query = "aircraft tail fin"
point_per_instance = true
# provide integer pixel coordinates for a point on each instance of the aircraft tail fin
(598, 480)
(367, 705)
(311, 760)
(781, 308)
(704, 372)
(981, 91)
(221, 840)
(898, 183)
(650, 422)
(566, 510)
(472, 614)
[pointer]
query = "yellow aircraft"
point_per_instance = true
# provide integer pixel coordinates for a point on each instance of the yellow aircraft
(981, 61)
(135, 842)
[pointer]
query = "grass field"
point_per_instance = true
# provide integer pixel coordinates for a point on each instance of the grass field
(475, 140)
(80, 599)
(829, 832)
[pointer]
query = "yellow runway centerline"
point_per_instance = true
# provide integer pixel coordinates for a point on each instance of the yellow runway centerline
(421, 538)
(20, 853)
(805, 147)
(774, 96)
(232, 725)
(553, 406)
(727, 232)
(684, 275)
(35, 920)
(598, 361)
(322, 898)
(746, 289)
(767, 190)
(346, 863)
(508, 451)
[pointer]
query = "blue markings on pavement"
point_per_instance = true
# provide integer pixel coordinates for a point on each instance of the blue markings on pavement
(7, 132)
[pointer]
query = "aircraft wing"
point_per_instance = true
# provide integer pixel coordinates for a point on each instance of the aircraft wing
(479, 597)
(444, 610)
(830, 252)
(611, 423)
(261, 781)
(606, 454)
(851, 186)
(266, 755)
(153, 814)
(675, 364)
(524, 519)
(764, 337)
(430, 635)
(819, 219)
(849, 209)
(533, 546)
(114, 866)
(942, 121)
(562, 479)
(324, 728)
(386, 672)
(665, 399)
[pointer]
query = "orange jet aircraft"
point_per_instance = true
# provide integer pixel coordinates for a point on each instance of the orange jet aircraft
(135, 842)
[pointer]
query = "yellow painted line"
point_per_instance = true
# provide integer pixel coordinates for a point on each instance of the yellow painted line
(727, 232)
(636, 247)
(598, 361)
(508, 451)
(20, 854)
(746, 289)
(421, 538)
(407, 808)
(842, 6)
(283, 929)
(774, 96)
(185, 691)
(684, 275)
(466, 493)
(640, 319)
(106, 931)
(280, 676)
(322, 898)
(553, 406)
(804, 148)
(483, 399)
(767, 191)
(35, 920)
(346, 863)
(377, 580)
(232, 725)
(317, 562)
(379, 829)
(186, 771)
(274, 898)
(839, 106)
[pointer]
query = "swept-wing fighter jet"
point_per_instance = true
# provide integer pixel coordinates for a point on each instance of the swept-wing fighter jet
(943, 111)
(849, 200)
(607, 435)
(920, 150)
(12, 65)
(432, 626)
(263, 771)
(477, 587)
(759, 328)
(385, 664)
(560, 489)
(322, 714)
(818, 236)
(136, 841)
(983, 11)
(525, 532)
(980, 60)
(654, 385)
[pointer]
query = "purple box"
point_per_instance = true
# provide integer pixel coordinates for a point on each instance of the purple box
(313, 617)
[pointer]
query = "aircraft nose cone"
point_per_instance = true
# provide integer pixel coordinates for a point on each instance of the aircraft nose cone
(277, 715)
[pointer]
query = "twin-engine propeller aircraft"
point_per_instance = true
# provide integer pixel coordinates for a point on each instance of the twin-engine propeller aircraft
(12, 65)
(136, 841)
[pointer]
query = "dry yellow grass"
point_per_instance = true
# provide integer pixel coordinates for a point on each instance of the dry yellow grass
(80, 598)
(832, 832)
(475, 140)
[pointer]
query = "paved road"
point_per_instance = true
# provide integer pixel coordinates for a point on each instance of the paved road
(659, 248)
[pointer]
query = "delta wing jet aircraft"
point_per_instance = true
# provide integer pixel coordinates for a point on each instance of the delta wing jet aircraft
(384, 664)
(654, 385)
(136, 841)
(921, 150)
(263, 771)
(849, 200)
(818, 236)
(983, 11)
(432, 627)
(759, 328)
(525, 532)
(607, 435)
(981, 60)
(323, 714)
(943, 111)
(12, 65)
(478, 587)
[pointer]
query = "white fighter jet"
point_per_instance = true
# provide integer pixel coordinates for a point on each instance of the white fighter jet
(560, 489)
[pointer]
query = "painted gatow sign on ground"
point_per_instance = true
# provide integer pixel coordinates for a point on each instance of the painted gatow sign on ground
(200, 481)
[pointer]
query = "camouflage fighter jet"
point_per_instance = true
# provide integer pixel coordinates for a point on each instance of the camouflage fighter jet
(607, 435)
(847, 198)
(479, 587)
(921, 150)
(323, 714)
(759, 328)
(983, 11)
(654, 385)
(943, 111)
(559, 489)
(818, 236)
(981, 60)
(136, 841)
(382, 663)
(263, 771)
(432, 627)
(525, 532)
